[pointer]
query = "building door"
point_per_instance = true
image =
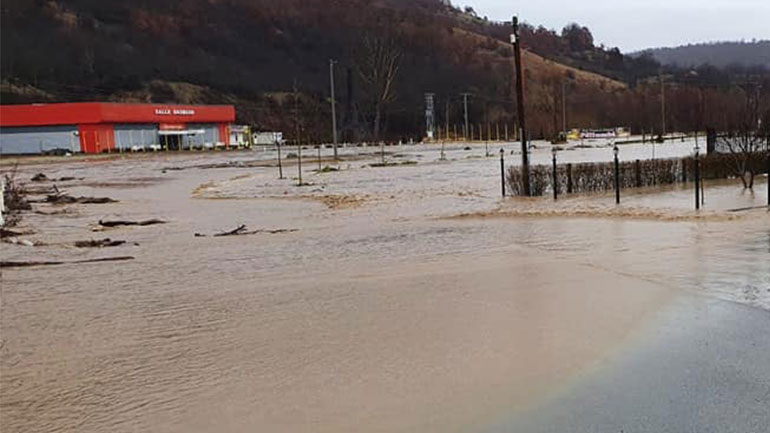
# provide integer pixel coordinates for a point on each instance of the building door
(172, 142)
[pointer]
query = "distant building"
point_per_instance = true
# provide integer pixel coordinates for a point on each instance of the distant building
(240, 135)
(590, 134)
(96, 127)
(267, 138)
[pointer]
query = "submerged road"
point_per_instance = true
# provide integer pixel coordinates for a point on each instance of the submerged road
(701, 365)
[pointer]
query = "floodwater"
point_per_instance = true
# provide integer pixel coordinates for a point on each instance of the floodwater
(409, 298)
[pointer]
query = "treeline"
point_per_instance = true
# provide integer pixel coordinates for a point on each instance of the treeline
(717, 54)
(271, 59)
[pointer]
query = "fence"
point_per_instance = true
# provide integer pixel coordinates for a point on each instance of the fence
(600, 177)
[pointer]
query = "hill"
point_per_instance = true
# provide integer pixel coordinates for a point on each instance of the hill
(718, 54)
(271, 59)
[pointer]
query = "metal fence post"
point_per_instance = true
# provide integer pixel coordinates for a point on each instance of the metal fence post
(638, 173)
(697, 178)
(617, 175)
(555, 178)
(502, 170)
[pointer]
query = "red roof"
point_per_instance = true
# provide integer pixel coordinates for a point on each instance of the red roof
(78, 113)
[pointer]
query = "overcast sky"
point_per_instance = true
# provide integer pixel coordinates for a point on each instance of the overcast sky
(637, 24)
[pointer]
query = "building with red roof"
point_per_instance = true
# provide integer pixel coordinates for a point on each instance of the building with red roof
(96, 127)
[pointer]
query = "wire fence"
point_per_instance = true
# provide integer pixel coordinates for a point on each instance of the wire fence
(594, 177)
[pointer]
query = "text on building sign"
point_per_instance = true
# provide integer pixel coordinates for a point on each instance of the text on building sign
(175, 112)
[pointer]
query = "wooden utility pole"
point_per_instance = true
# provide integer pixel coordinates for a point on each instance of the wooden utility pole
(564, 108)
(297, 133)
(520, 106)
(662, 107)
(334, 111)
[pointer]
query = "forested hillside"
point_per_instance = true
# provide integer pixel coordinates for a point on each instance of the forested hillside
(718, 54)
(257, 53)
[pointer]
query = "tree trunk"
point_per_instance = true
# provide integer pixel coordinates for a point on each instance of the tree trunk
(377, 116)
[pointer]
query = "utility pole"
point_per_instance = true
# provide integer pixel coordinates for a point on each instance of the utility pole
(334, 112)
(430, 116)
(520, 106)
(564, 108)
(297, 133)
(662, 107)
(465, 104)
(446, 120)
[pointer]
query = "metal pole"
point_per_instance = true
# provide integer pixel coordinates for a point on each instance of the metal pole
(697, 180)
(502, 170)
(520, 106)
(297, 134)
(446, 120)
(299, 161)
(319, 157)
(280, 166)
(465, 104)
(617, 177)
(334, 111)
(555, 188)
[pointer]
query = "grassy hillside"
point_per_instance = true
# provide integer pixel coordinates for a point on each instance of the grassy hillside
(257, 53)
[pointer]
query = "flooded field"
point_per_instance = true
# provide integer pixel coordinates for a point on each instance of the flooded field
(409, 297)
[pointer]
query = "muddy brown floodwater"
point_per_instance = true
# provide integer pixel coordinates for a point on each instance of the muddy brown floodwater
(402, 298)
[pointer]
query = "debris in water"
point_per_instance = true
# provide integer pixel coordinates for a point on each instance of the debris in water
(242, 231)
(118, 223)
(24, 242)
(9, 264)
(41, 177)
(14, 199)
(327, 169)
(66, 211)
(102, 243)
(67, 199)
(5, 233)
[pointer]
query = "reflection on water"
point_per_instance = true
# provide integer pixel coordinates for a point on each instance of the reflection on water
(378, 314)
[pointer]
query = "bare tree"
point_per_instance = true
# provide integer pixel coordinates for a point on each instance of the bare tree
(748, 142)
(378, 64)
